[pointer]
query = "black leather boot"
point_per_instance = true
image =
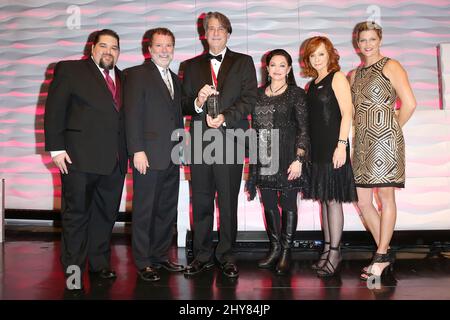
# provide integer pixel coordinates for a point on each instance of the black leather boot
(288, 228)
(273, 232)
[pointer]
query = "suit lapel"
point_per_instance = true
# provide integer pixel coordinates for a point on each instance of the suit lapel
(205, 70)
(156, 75)
(224, 68)
(99, 78)
(176, 86)
(177, 98)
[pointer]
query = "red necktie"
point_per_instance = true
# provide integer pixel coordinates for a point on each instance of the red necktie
(111, 86)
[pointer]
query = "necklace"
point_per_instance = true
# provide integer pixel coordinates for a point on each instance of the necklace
(273, 92)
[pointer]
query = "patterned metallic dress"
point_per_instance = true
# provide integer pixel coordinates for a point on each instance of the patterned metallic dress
(379, 147)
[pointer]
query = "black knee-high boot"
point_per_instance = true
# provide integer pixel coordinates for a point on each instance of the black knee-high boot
(288, 228)
(273, 232)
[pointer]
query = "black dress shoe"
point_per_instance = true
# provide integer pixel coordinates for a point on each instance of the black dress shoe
(104, 274)
(196, 266)
(229, 269)
(169, 266)
(149, 274)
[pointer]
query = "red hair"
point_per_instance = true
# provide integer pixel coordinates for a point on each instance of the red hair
(311, 46)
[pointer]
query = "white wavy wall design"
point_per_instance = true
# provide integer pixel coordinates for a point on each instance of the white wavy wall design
(36, 34)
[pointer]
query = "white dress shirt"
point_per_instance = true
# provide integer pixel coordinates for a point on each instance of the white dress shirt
(161, 72)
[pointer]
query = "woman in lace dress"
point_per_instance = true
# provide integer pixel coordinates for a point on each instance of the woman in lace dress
(280, 119)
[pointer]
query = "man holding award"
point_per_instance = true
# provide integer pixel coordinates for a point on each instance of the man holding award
(219, 92)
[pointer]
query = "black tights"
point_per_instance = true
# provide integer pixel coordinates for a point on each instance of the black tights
(332, 222)
(287, 199)
(332, 225)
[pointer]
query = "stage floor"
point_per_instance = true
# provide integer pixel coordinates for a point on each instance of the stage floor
(30, 270)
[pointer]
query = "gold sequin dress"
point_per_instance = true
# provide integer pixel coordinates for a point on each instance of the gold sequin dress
(379, 147)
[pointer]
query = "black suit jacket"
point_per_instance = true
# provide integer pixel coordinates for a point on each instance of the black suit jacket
(151, 116)
(81, 118)
(237, 86)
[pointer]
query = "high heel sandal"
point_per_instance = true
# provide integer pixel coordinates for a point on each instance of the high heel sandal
(379, 258)
(391, 254)
(328, 269)
(315, 266)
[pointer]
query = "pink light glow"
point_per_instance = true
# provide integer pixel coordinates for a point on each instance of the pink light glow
(24, 181)
(10, 25)
(424, 86)
(28, 159)
(420, 34)
(18, 94)
(129, 8)
(105, 21)
(18, 144)
(132, 57)
(40, 13)
(32, 131)
(408, 13)
(39, 61)
(65, 43)
(21, 46)
(57, 23)
(430, 103)
(29, 194)
(8, 73)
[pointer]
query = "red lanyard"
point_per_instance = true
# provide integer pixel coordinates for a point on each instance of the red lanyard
(213, 76)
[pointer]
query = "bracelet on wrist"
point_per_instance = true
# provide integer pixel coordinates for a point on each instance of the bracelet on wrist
(344, 142)
(299, 158)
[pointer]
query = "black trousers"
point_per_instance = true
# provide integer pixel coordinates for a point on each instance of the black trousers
(206, 180)
(155, 208)
(90, 204)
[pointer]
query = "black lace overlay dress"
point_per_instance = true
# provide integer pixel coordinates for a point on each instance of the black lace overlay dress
(281, 123)
(325, 182)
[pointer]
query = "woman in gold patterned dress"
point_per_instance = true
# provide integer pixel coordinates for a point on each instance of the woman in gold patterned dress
(379, 148)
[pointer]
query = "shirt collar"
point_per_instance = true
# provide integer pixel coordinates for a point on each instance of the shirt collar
(220, 53)
(111, 71)
(161, 69)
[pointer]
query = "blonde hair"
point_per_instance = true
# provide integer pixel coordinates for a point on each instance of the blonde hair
(366, 26)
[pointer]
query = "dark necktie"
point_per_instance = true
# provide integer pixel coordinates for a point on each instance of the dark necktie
(111, 87)
(110, 82)
(218, 57)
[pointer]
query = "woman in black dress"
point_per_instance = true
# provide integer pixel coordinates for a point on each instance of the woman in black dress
(330, 174)
(280, 120)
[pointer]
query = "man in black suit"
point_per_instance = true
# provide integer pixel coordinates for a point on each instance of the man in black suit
(84, 131)
(233, 75)
(152, 100)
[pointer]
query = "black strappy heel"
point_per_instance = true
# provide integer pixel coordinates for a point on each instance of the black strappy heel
(329, 270)
(315, 266)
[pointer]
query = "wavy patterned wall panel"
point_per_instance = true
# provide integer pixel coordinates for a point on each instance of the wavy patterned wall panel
(36, 34)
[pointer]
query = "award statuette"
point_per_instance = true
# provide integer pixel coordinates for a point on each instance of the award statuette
(213, 104)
